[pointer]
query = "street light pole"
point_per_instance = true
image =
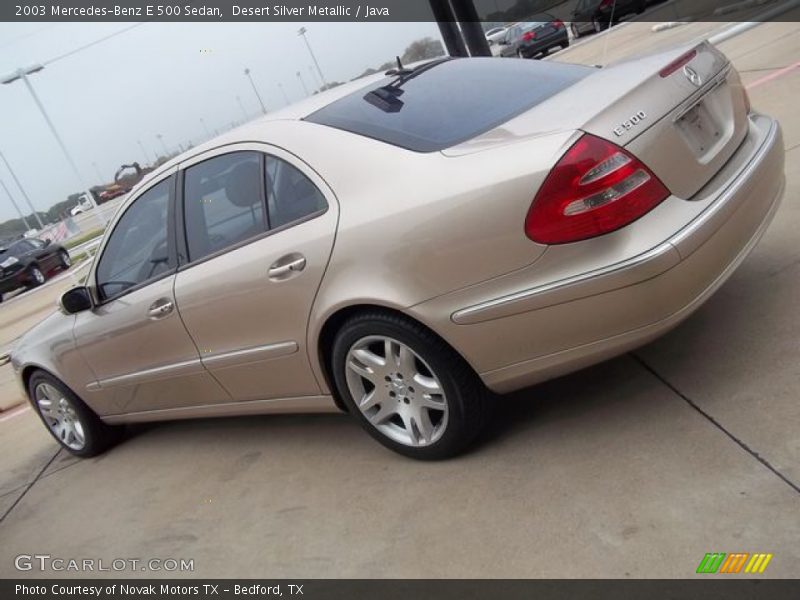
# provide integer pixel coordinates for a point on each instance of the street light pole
(303, 83)
(255, 89)
(97, 170)
(283, 93)
(144, 152)
(208, 133)
(244, 111)
(163, 145)
(23, 75)
(10, 197)
(302, 33)
(24, 193)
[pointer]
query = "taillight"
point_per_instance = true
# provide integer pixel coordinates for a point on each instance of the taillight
(677, 64)
(558, 24)
(606, 3)
(596, 188)
(529, 36)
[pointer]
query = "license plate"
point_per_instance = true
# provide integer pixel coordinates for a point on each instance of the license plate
(700, 129)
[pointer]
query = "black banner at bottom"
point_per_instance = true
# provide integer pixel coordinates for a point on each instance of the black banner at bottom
(390, 589)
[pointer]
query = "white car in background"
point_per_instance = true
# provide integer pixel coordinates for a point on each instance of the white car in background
(495, 35)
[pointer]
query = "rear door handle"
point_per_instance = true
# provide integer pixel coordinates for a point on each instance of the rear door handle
(278, 270)
(160, 308)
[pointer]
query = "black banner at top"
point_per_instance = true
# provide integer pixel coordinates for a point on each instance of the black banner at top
(494, 11)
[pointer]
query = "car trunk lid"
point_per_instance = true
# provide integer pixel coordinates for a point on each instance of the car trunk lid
(684, 132)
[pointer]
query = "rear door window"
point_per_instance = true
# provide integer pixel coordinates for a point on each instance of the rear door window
(291, 196)
(223, 202)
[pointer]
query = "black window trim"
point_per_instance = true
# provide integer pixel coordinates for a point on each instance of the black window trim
(182, 238)
(171, 246)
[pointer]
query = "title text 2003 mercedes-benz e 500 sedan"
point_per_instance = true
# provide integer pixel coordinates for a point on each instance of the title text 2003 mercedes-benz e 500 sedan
(401, 245)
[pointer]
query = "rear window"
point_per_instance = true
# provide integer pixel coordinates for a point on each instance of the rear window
(447, 102)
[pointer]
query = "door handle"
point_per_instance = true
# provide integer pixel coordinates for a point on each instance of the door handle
(278, 270)
(160, 308)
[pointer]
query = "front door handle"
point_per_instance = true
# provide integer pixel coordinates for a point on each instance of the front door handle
(280, 269)
(160, 308)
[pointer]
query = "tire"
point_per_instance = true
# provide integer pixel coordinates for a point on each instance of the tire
(71, 423)
(598, 25)
(575, 31)
(521, 54)
(432, 425)
(35, 276)
(64, 260)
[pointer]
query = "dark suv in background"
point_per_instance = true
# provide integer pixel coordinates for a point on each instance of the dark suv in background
(592, 16)
(26, 263)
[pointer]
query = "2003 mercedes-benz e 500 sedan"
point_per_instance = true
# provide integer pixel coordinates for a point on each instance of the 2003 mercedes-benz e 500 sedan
(402, 245)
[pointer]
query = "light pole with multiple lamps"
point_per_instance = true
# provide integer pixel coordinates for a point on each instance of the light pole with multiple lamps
(22, 74)
(255, 89)
(302, 33)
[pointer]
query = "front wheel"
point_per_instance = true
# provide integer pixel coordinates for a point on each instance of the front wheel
(407, 387)
(64, 260)
(73, 424)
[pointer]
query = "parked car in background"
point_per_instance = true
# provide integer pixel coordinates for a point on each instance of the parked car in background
(27, 263)
(401, 244)
(495, 34)
(534, 38)
(593, 16)
(113, 191)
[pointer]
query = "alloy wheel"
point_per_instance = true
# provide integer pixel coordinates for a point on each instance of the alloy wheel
(66, 261)
(396, 391)
(37, 275)
(60, 416)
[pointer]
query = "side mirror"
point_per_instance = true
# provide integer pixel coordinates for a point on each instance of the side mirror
(47, 241)
(75, 300)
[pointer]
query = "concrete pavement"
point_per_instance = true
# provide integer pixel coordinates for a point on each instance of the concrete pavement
(634, 468)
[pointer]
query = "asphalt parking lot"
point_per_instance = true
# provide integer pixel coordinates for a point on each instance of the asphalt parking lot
(633, 468)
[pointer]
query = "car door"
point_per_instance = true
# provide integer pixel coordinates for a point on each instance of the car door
(512, 42)
(252, 272)
(133, 339)
(44, 254)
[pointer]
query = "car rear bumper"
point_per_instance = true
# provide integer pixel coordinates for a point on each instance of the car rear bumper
(544, 331)
(559, 38)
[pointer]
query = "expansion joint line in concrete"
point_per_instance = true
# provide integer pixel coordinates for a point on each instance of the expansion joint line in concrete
(717, 424)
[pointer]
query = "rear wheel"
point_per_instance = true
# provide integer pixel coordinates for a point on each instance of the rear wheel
(73, 424)
(35, 276)
(407, 387)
